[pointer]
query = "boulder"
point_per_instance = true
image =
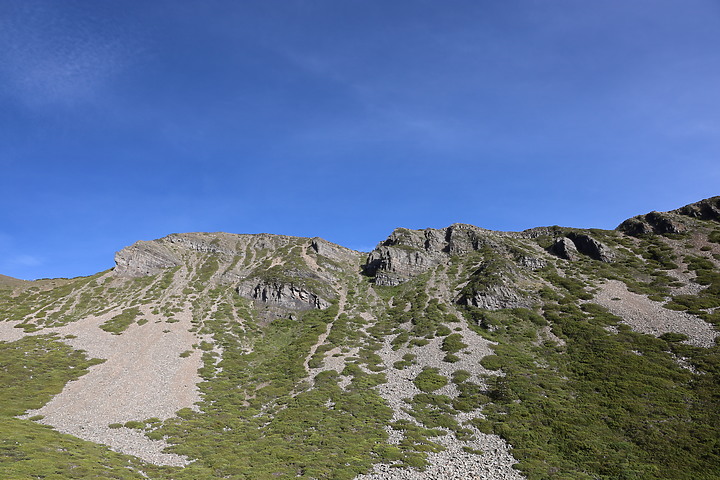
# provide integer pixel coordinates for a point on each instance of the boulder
(564, 248)
(592, 248)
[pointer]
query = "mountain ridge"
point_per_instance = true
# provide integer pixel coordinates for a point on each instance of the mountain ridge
(443, 353)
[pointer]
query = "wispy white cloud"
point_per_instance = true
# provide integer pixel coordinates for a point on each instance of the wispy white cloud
(56, 56)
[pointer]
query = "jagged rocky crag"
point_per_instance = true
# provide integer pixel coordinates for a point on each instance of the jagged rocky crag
(444, 353)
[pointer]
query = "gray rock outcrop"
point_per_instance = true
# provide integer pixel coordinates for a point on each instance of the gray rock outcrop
(532, 263)
(283, 295)
(708, 209)
(565, 249)
(592, 248)
(496, 297)
(202, 242)
(405, 254)
(332, 251)
(144, 258)
(408, 253)
(653, 222)
(497, 283)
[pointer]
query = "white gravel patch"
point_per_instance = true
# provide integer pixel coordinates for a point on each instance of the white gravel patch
(8, 332)
(647, 316)
(143, 377)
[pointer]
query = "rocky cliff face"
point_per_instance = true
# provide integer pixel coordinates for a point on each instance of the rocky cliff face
(408, 253)
(591, 247)
(144, 258)
(503, 275)
(565, 249)
(284, 295)
(653, 223)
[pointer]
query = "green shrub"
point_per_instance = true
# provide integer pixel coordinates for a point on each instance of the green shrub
(429, 380)
(672, 337)
(119, 323)
(491, 362)
(453, 343)
(460, 376)
(451, 358)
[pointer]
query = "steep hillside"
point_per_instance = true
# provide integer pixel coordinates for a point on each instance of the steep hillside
(552, 353)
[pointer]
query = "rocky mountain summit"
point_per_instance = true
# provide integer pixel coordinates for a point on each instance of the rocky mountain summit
(455, 353)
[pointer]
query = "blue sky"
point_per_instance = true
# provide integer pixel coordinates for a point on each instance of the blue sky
(122, 121)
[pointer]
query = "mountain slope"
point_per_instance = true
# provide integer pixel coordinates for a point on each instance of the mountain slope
(591, 352)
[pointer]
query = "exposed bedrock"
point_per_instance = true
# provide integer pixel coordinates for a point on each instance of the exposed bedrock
(653, 222)
(673, 221)
(565, 248)
(144, 258)
(592, 248)
(408, 253)
(284, 295)
(708, 209)
(496, 297)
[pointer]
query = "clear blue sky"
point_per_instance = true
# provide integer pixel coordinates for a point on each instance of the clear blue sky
(129, 120)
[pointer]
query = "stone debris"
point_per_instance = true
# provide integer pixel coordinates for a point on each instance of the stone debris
(647, 316)
(454, 463)
(143, 377)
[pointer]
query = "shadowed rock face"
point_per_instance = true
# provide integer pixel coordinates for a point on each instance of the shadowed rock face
(408, 253)
(708, 209)
(589, 246)
(672, 221)
(565, 249)
(653, 222)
